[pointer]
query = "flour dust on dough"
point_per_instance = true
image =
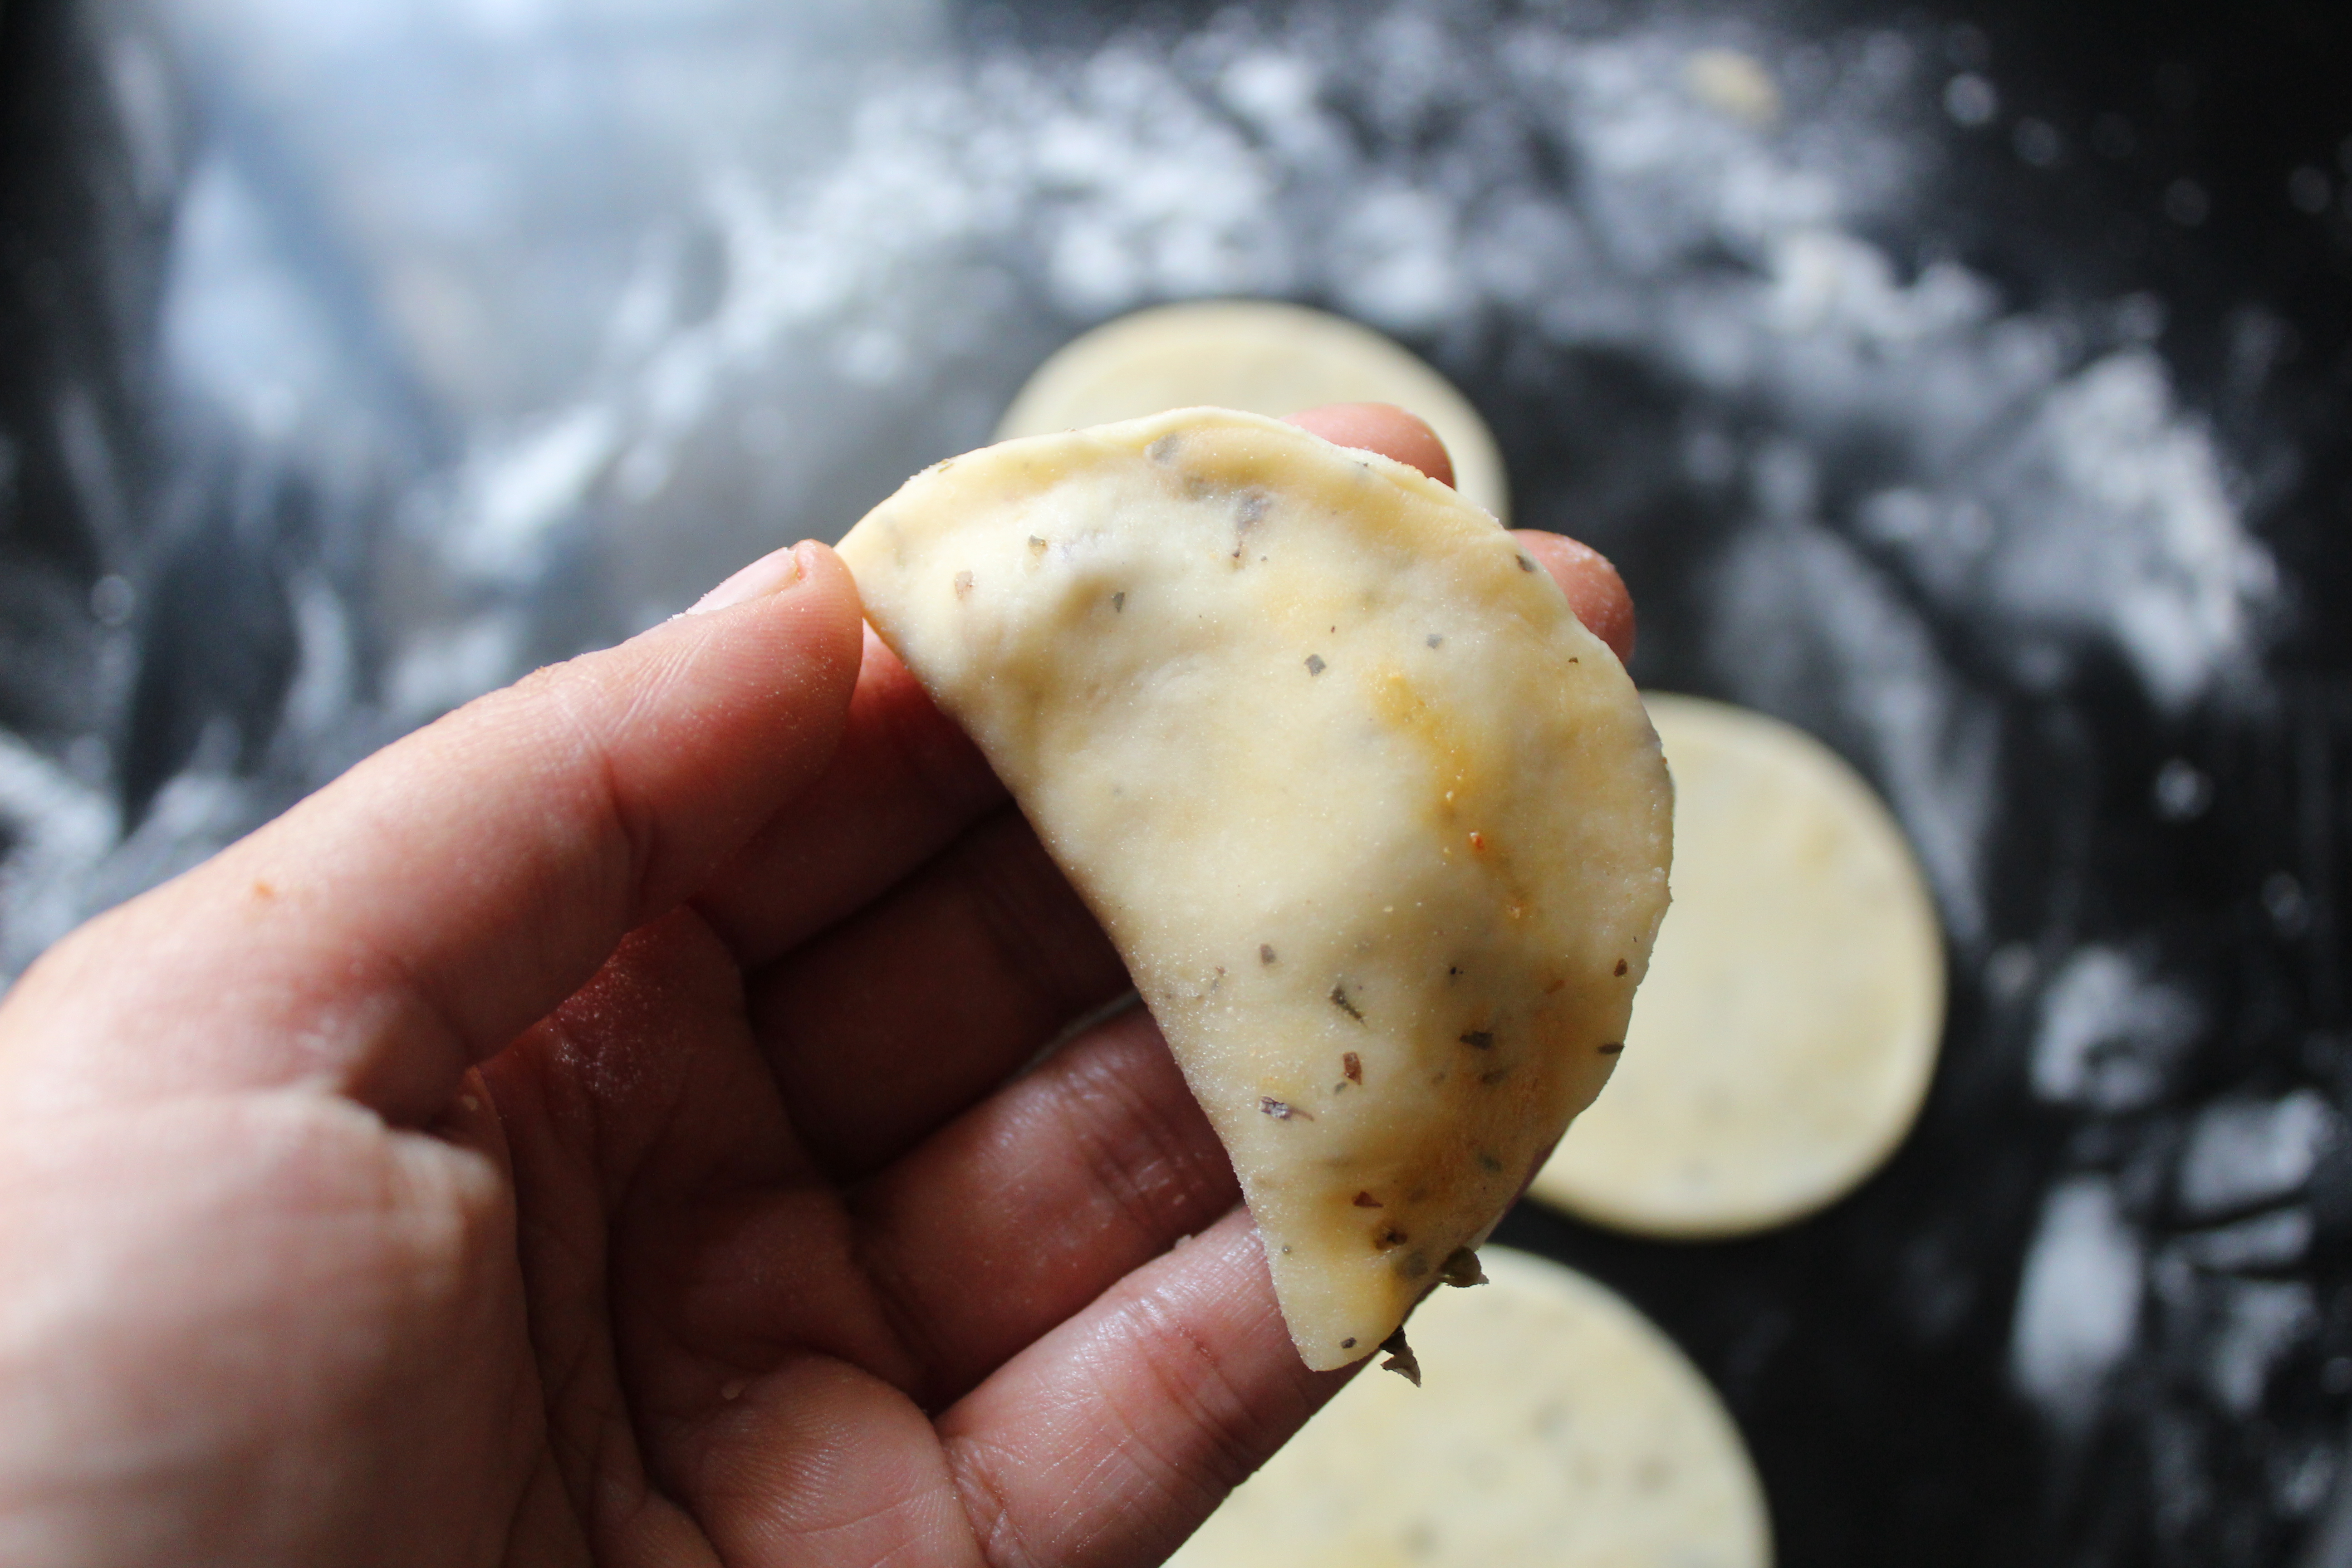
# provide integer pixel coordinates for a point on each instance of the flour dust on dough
(1559, 1428)
(1380, 829)
(1787, 1032)
(1258, 355)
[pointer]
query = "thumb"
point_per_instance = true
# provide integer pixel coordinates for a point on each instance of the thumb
(413, 916)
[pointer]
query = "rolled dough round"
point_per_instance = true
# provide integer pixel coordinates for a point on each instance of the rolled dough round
(1557, 1427)
(1259, 356)
(1784, 1037)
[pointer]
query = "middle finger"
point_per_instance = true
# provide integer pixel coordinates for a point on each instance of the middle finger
(1020, 1212)
(891, 1023)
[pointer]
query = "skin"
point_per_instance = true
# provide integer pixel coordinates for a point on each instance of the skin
(591, 1131)
(1594, 590)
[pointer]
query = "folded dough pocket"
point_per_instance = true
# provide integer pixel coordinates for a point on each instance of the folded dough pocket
(1381, 830)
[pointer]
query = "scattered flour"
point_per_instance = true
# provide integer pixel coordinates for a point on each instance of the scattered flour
(2247, 1151)
(55, 829)
(1653, 190)
(508, 502)
(2078, 1307)
(2110, 1033)
(2262, 1319)
(1632, 191)
(2275, 1240)
(2147, 525)
(1868, 675)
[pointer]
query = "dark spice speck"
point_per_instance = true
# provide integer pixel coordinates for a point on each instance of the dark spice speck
(1315, 665)
(1613, 1048)
(1265, 952)
(1479, 1040)
(1245, 517)
(1340, 999)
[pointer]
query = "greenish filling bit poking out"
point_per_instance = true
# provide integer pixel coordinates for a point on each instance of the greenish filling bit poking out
(1461, 1271)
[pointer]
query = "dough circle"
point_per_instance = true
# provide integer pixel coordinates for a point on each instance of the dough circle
(1257, 356)
(1558, 1426)
(1784, 1038)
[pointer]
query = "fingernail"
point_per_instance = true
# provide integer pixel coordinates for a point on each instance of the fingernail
(770, 574)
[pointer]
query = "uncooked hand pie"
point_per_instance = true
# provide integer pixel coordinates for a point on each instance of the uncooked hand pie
(1381, 830)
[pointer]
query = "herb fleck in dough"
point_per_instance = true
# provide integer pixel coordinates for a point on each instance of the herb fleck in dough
(1354, 867)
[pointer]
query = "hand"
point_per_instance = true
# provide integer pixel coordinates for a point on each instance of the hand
(589, 1130)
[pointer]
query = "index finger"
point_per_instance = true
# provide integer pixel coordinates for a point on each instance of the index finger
(1594, 590)
(1382, 427)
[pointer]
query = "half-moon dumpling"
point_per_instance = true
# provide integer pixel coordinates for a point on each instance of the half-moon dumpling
(1380, 828)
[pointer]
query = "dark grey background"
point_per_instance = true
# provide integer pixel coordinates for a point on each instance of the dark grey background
(1982, 413)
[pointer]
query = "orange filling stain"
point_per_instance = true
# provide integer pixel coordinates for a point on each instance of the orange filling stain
(1403, 707)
